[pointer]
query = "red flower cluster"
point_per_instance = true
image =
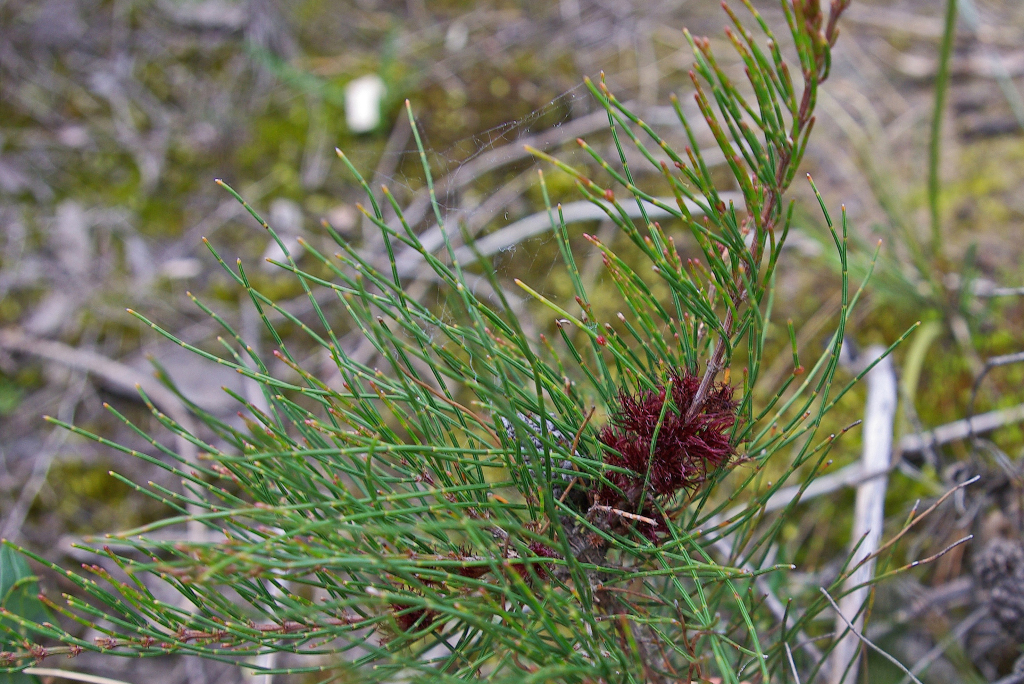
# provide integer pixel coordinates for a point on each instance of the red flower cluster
(409, 617)
(684, 452)
(418, 618)
(540, 568)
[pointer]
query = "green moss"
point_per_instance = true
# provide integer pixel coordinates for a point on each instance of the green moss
(278, 285)
(161, 216)
(10, 395)
(29, 377)
(222, 288)
(90, 500)
(10, 310)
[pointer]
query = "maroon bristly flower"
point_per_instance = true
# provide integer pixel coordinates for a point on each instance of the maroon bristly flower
(544, 551)
(684, 452)
(419, 618)
(541, 569)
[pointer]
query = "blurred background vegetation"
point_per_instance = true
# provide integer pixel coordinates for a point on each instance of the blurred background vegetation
(116, 116)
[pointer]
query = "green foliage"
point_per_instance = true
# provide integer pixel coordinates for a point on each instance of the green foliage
(413, 519)
(18, 597)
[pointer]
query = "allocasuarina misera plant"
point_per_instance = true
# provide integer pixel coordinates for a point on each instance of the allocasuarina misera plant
(479, 503)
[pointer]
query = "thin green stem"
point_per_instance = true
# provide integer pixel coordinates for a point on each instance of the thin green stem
(935, 142)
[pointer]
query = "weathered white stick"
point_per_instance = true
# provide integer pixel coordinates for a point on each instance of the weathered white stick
(71, 676)
(962, 429)
(869, 509)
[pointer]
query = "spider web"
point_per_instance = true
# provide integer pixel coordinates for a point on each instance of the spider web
(464, 193)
